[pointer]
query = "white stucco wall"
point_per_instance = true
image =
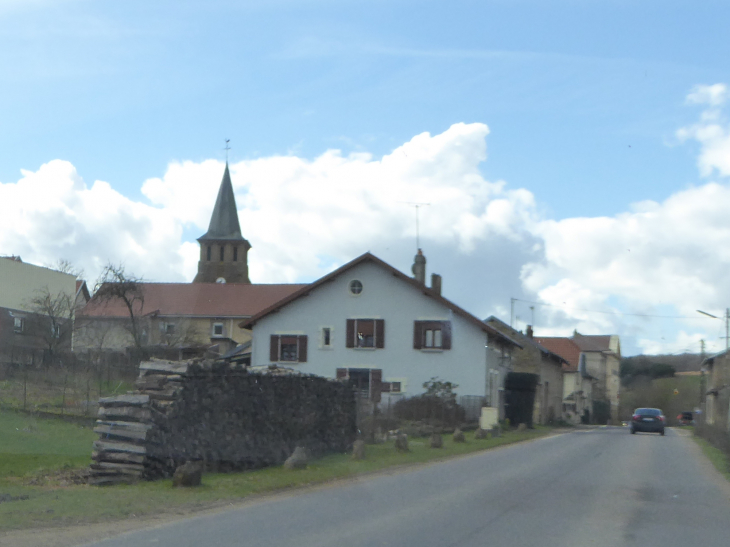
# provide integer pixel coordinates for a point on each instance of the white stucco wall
(21, 282)
(384, 296)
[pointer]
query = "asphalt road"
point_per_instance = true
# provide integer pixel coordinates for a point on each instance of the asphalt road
(601, 487)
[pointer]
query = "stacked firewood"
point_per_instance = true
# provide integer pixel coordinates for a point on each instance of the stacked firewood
(227, 418)
(125, 421)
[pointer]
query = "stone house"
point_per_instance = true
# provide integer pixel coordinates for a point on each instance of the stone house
(535, 358)
(717, 390)
(387, 332)
(591, 381)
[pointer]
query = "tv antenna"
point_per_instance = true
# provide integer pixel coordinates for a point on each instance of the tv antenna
(417, 206)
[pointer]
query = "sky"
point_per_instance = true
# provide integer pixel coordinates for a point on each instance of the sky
(574, 154)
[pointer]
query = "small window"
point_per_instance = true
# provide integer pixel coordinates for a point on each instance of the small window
(235, 254)
(218, 329)
(223, 252)
(326, 337)
(355, 287)
(208, 252)
(168, 328)
(56, 331)
(18, 324)
(432, 335)
(288, 348)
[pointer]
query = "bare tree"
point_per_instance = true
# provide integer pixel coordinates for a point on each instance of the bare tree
(52, 319)
(116, 284)
(66, 266)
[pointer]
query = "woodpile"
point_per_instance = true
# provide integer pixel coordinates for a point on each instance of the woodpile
(227, 418)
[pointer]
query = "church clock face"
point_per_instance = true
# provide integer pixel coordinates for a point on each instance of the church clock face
(220, 280)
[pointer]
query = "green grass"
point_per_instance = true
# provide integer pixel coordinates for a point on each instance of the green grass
(52, 444)
(716, 456)
(30, 444)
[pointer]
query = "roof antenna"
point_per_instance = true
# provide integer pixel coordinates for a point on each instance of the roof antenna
(227, 148)
(417, 206)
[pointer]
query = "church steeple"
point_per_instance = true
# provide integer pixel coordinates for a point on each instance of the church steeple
(223, 250)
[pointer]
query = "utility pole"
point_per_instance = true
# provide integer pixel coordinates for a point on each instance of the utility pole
(511, 311)
(532, 315)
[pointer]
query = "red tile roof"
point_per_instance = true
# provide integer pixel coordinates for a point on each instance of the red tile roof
(198, 300)
(588, 342)
(565, 347)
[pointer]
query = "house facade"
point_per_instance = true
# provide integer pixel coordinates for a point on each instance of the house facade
(36, 310)
(591, 378)
(533, 358)
(387, 332)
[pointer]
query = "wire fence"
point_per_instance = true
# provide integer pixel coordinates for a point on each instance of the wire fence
(67, 384)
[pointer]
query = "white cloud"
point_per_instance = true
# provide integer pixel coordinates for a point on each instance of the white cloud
(712, 132)
(52, 213)
(302, 216)
(298, 213)
(306, 216)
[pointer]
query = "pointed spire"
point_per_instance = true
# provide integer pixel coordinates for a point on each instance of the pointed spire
(224, 221)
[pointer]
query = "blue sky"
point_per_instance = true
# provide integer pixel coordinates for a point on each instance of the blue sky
(583, 101)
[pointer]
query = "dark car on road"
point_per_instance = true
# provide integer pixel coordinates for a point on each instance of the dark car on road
(651, 420)
(686, 418)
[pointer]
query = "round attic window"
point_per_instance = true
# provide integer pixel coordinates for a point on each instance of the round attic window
(355, 287)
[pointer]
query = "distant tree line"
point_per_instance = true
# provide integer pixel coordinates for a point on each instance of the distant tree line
(642, 366)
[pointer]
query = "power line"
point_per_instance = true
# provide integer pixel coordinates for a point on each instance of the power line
(607, 312)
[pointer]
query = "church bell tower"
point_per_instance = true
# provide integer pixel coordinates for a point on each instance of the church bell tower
(223, 250)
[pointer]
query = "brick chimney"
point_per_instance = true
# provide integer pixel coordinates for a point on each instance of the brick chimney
(419, 267)
(436, 283)
(529, 331)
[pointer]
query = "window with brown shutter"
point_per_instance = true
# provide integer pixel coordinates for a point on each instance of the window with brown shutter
(432, 335)
(365, 333)
(288, 348)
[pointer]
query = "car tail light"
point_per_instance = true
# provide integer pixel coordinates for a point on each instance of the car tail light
(636, 417)
(662, 418)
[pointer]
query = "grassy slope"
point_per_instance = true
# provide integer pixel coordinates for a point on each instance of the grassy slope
(52, 444)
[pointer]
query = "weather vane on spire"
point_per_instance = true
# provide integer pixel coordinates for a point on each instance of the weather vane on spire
(227, 148)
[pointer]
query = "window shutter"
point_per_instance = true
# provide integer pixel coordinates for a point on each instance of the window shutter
(302, 348)
(274, 348)
(350, 341)
(341, 373)
(417, 334)
(380, 333)
(376, 377)
(446, 335)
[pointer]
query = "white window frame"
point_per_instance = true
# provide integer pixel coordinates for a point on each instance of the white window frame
(222, 326)
(18, 324)
(322, 344)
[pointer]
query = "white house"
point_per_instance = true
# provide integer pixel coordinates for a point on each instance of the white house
(371, 323)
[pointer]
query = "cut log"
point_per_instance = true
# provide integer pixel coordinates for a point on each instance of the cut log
(151, 381)
(134, 431)
(119, 457)
(125, 413)
(169, 393)
(115, 446)
(124, 400)
(165, 367)
(125, 468)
